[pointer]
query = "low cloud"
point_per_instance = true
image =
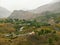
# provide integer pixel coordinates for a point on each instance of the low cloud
(56, 0)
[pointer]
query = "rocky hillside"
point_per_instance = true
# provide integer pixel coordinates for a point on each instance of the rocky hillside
(20, 14)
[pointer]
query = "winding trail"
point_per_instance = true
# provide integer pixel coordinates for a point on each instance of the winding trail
(21, 29)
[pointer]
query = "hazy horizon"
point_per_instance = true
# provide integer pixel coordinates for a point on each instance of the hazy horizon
(22, 4)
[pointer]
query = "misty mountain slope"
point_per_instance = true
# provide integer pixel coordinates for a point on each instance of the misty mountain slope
(20, 14)
(4, 12)
(40, 11)
(53, 7)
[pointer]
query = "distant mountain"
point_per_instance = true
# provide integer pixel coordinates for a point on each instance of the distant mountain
(20, 14)
(42, 10)
(4, 12)
(53, 7)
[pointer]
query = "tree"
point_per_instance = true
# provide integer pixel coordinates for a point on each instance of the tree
(50, 41)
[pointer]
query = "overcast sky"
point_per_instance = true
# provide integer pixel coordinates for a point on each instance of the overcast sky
(22, 4)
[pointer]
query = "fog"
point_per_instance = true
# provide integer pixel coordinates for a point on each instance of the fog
(22, 4)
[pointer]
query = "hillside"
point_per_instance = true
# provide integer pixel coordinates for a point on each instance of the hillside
(20, 14)
(43, 29)
(40, 11)
(53, 7)
(22, 32)
(4, 12)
